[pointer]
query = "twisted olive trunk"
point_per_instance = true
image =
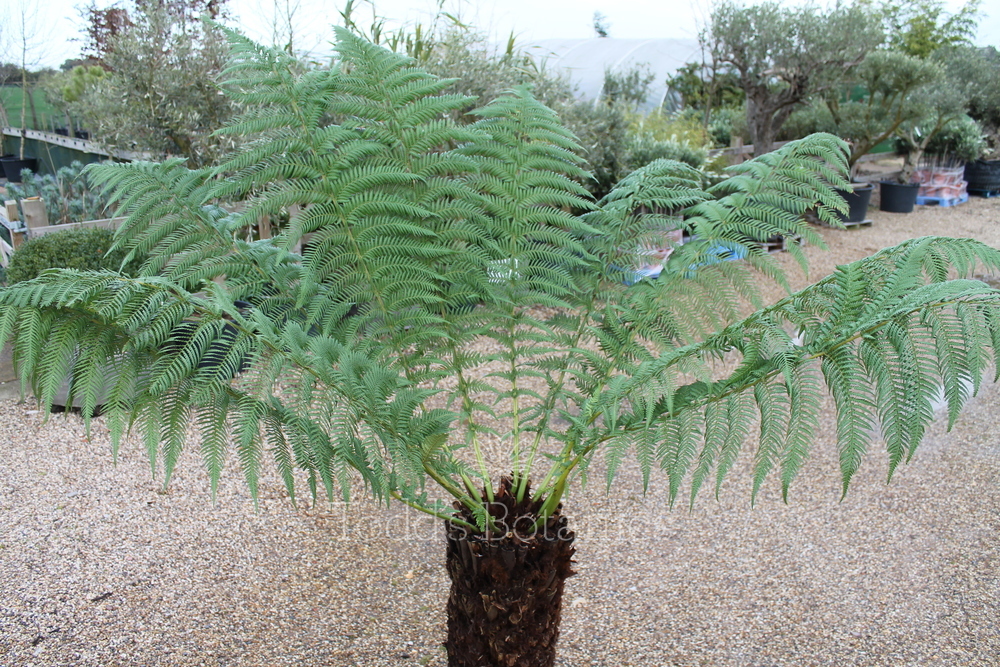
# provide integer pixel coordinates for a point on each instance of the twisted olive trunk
(507, 585)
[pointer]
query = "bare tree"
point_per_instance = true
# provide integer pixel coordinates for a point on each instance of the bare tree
(23, 20)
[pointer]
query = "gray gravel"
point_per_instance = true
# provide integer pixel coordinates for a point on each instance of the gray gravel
(100, 566)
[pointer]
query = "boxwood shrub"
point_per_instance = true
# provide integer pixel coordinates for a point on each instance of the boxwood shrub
(85, 249)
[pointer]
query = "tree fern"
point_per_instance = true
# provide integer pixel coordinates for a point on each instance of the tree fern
(458, 285)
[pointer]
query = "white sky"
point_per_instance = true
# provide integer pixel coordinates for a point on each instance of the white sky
(57, 20)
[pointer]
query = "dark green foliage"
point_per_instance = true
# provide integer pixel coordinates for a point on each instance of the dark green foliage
(814, 117)
(985, 107)
(727, 123)
(700, 87)
(893, 89)
(602, 131)
(643, 149)
(80, 249)
(961, 140)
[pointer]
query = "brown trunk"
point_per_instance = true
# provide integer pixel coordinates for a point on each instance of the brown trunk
(507, 586)
(34, 114)
(759, 126)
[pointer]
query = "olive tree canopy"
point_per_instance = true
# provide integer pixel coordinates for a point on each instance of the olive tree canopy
(783, 55)
(160, 94)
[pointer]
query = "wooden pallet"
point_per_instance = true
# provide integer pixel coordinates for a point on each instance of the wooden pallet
(779, 243)
(856, 225)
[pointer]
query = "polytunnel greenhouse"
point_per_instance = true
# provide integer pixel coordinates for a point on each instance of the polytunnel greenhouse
(587, 60)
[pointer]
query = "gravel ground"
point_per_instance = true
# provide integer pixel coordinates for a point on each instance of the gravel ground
(100, 566)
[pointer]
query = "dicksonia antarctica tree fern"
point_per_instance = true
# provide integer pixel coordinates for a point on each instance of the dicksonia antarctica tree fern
(456, 286)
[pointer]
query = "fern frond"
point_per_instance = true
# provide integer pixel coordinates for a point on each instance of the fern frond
(880, 365)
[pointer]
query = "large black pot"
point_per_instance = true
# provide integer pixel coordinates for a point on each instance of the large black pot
(858, 200)
(897, 197)
(12, 167)
(983, 175)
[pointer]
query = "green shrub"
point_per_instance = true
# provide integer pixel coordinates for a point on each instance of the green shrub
(683, 126)
(83, 249)
(644, 148)
(726, 123)
(810, 119)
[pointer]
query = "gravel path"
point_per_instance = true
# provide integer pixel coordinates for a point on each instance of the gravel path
(100, 566)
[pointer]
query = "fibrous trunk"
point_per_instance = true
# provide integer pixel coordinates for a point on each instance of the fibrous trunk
(507, 585)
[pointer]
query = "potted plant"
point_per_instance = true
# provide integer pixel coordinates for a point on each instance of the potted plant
(943, 114)
(858, 198)
(897, 197)
(15, 164)
(67, 195)
(24, 29)
(941, 171)
(65, 89)
(881, 96)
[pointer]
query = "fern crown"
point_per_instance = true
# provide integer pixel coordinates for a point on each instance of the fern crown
(444, 302)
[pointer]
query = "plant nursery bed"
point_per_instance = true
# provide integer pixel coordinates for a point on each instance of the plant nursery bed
(943, 202)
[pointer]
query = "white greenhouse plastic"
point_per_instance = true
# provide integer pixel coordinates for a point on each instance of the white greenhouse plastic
(586, 60)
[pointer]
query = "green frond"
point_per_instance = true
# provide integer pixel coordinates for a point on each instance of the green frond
(883, 366)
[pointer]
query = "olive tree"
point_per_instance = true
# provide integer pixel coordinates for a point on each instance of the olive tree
(464, 333)
(965, 78)
(160, 93)
(783, 55)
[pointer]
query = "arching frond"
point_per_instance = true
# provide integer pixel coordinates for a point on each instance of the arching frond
(884, 366)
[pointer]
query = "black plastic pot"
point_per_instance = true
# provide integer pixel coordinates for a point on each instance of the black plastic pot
(62, 131)
(983, 175)
(897, 197)
(12, 167)
(858, 199)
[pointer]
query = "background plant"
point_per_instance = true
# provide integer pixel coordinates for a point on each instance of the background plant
(961, 141)
(64, 89)
(888, 90)
(922, 27)
(978, 71)
(460, 314)
(608, 129)
(67, 196)
(160, 93)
